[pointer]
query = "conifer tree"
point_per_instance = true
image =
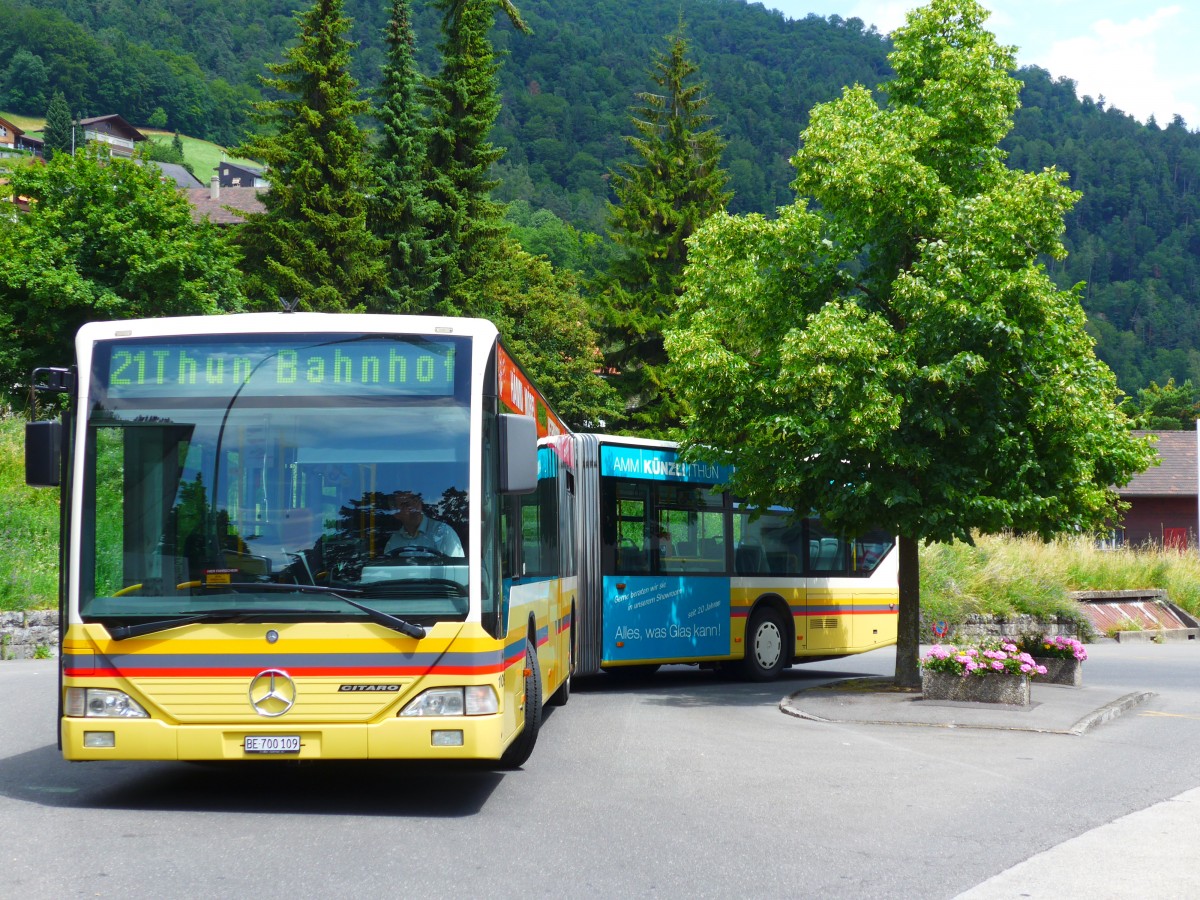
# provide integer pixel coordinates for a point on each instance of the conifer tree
(402, 211)
(661, 200)
(464, 102)
(57, 133)
(312, 243)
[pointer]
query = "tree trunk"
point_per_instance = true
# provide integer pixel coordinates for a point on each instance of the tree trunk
(908, 624)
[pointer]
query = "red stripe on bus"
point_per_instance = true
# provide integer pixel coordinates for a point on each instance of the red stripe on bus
(295, 671)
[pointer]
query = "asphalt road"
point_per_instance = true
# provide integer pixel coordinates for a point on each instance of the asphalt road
(683, 785)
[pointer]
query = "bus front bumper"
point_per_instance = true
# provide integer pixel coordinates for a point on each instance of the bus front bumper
(423, 737)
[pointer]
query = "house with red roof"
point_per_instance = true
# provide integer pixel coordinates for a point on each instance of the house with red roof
(1164, 504)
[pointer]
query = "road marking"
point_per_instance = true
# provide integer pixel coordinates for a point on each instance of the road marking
(1167, 715)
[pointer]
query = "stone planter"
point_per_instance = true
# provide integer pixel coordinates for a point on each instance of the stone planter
(1060, 671)
(993, 688)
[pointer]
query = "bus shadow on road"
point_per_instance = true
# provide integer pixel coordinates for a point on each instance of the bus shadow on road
(359, 788)
(684, 686)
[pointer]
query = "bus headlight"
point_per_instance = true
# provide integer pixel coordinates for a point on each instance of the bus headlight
(100, 703)
(473, 700)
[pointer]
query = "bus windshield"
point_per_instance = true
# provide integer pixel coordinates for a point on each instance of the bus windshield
(274, 475)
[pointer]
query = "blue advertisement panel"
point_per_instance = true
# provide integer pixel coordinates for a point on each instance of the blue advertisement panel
(665, 617)
(658, 465)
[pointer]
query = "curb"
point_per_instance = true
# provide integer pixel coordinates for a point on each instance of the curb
(1106, 713)
(1109, 711)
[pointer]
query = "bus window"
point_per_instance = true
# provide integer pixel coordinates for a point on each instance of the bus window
(631, 527)
(770, 544)
(870, 549)
(826, 551)
(694, 518)
(539, 526)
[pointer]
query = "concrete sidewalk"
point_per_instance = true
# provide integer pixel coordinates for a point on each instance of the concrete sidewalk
(1156, 847)
(1157, 844)
(1055, 709)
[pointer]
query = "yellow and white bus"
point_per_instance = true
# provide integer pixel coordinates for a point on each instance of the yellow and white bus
(295, 535)
(674, 570)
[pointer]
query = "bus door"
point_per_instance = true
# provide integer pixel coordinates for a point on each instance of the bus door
(769, 555)
(666, 585)
(830, 598)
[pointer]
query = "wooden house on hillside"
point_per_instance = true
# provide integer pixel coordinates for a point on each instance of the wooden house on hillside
(1164, 505)
(10, 135)
(231, 174)
(119, 135)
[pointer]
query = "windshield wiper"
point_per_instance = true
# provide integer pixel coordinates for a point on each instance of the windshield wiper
(269, 586)
(386, 619)
(379, 617)
(122, 632)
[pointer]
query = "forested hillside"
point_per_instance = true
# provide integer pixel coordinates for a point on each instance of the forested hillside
(567, 90)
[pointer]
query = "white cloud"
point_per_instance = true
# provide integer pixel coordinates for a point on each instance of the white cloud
(1139, 56)
(1123, 62)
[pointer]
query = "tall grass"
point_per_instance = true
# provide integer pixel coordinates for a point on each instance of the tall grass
(1004, 575)
(28, 528)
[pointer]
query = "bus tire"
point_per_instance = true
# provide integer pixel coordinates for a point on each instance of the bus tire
(766, 643)
(522, 746)
(563, 694)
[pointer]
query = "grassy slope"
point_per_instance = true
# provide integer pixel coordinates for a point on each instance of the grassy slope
(202, 155)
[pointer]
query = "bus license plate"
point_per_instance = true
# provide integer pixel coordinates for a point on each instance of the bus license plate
(273, 743)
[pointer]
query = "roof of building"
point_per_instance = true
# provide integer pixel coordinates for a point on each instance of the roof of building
(255, 170)
(117, 122)
(242, 199)
(1175, 475)
(14, 128)
(176, 173)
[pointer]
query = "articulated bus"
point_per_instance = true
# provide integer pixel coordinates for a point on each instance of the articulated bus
(673, 570)
(299, 535)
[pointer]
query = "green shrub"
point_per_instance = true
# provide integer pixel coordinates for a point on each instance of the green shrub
(29, 534)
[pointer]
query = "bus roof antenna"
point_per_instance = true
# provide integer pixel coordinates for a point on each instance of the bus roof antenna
(289, 305)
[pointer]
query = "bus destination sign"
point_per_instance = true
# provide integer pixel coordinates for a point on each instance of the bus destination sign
(284, 365)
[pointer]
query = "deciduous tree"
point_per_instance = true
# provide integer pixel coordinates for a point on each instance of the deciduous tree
(546, 323)
(103, 239)
(895, 354)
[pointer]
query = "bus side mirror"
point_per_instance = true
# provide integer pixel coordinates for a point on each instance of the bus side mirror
(43, 453)
(518, 454)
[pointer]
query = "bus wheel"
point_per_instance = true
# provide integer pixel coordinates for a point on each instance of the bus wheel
(520, 749)
(765, 642)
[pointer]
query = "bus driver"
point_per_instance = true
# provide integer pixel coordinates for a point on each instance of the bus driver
(417, 530)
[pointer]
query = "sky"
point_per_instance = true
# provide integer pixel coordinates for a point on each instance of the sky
(1134, 54)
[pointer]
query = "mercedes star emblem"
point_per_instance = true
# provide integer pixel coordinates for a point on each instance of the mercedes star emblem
(272, 693)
